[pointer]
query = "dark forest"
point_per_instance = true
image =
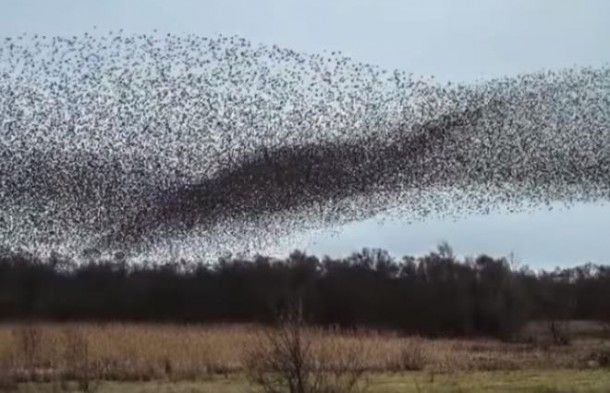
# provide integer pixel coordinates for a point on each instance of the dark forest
(434, 295)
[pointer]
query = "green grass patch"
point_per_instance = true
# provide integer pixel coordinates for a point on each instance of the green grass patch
(552, 381)
(495, 381)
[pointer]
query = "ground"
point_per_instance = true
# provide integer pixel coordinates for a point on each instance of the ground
(552, 381)
(194, 358)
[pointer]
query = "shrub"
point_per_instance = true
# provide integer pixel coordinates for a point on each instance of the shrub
(412, 356)
(78, 365)
(284, 360)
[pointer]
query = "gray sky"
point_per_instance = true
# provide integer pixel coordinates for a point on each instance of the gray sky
(452, 40)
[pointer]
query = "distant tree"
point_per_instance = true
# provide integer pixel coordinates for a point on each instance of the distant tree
(435, 295)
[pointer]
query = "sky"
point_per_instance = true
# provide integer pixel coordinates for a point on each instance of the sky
(466, 41)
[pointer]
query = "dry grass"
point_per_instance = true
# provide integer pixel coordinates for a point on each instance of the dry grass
(87, 352)
(575, 328)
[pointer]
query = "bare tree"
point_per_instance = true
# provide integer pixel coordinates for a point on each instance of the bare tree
(284, 360)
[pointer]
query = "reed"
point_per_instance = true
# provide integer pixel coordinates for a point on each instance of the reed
(86, 352)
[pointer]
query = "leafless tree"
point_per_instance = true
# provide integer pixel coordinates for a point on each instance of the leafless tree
(285, 360)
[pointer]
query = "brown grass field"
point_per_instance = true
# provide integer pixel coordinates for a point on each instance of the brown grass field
(212, 357)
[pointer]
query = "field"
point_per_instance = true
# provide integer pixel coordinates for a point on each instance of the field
(148, 357)
(550, 381)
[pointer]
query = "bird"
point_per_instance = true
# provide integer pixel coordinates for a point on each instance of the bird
(126, 143)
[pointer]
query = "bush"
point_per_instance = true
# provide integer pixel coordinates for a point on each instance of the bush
(412, 356)
(78, 365)
(284, 360)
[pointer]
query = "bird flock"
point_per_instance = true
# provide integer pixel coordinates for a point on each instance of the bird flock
(183, 145)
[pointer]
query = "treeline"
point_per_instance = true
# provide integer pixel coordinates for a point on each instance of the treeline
(433, 295)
